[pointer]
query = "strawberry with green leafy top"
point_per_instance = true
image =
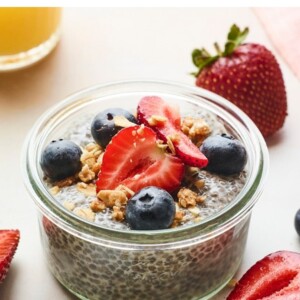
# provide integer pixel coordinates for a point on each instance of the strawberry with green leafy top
(249, 76)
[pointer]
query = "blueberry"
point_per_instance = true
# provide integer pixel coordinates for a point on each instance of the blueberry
(226, 155)
(103, 127)
(149, 209)
(297, 222)
(61, 159)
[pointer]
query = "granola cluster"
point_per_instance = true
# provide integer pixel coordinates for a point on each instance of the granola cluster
(91, 159)
(196, 129)
(188, 199)
(116, 199)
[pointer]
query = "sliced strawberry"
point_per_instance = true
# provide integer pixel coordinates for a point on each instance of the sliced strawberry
(149, 109)
(275, 277)
(133, 158)
(9, 240)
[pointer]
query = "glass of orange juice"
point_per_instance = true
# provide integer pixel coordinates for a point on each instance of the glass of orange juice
(27, 34)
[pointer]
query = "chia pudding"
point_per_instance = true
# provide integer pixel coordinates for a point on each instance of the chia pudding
(90, 247)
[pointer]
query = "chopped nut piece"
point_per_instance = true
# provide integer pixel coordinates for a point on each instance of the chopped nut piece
(187, 198)
(199, 184)
(113, 197)
(179, 215)
(85, 213)
(92, 147)
(92, 158)
(54, 190)
(156, 120)
(96, 168)
(195, 128)
(192, 170)
(87, 189)
(195, 211)
(121, 121)
(100, 158)
(90, 154)
(140, 131)
(118, 213)
(69, 205)
(136, 176)
(175, 137)
(183, 203)
(178, 218)
(88, 159)
(160, 144)
(200, 199)
(97, 205)
(66, 182)
(123, 188)
(86, 174)
(171, 146)
(97, 153)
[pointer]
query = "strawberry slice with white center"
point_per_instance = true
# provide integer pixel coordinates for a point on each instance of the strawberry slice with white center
(275, 277)
(9, 240)
(134, 159)
(165, 120)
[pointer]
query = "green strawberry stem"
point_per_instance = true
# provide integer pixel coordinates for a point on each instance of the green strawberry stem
(202, 58)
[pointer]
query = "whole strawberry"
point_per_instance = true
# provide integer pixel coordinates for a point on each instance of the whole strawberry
(249, 76)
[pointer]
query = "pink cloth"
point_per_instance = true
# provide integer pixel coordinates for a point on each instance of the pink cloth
(283, 27)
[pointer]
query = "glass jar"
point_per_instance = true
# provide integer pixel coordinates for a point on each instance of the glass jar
(186, 262)
(27, 34)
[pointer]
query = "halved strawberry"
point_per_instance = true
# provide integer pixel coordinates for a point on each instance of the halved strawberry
(165, 120)
(9, 240)
(134, 159)
(275, 277)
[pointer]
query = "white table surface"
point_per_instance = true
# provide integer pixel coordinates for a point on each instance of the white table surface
(100, 45)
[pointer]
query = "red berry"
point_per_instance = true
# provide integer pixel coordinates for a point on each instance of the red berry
(134, 159)
(275, 277)
(249, 76)
(151, 107)
(9, 240)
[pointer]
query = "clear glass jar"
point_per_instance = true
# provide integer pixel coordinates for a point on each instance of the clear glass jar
(187, 262)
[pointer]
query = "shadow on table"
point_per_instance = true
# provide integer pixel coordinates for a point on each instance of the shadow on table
(11, 283)
(7, 285)
(23, 87)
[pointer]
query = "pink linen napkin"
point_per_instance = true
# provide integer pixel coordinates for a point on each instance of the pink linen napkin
(283, 28)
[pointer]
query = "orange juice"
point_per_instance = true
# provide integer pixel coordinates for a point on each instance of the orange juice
(25, 28)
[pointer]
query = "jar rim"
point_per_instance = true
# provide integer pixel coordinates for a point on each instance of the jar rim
(209, 227)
